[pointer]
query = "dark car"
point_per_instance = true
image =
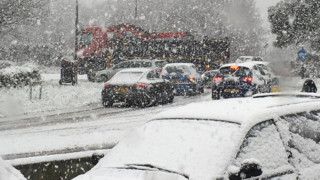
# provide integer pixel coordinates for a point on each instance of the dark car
(137, 86)
(241, 79)
(184, 77)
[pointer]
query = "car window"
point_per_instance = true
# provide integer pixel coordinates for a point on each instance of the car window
(153, 75)
(262, 72)
(160, 64)
(235, 70)
(263, 144)
(301, 132)
(146, 64)
(116, 66)
(124, 65)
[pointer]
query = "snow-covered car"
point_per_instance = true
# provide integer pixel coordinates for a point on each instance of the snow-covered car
(274, 136)
(137, 86)
(8, 172)
(242, 59)
(184, 77)
(207, 77)
(106, 74)
(12, 75)
(241, 79)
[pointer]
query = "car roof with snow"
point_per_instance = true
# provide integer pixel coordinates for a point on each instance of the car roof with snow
(136, 70)
(147, 60)
(179, 64)
(167, 141)
(249, 64)
(247, 111)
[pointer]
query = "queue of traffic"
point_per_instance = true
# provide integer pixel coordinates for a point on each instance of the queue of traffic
(145, 83)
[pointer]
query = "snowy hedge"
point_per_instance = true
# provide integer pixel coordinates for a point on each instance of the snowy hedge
(15, 76)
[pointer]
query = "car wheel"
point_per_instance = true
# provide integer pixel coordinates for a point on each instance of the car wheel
(171, 98)
(128, 103)
(90, 77)
(215, 95)
(104, 78)
(201, 89)
(107, 103)
(60, 82)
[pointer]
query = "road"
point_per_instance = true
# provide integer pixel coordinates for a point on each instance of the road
(71, 118)
(84, 128)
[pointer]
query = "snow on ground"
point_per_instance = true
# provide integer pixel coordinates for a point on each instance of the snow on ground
(93, 132)
(7, 172)
(16, 101)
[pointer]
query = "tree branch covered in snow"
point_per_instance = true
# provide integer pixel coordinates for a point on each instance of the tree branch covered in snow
(296, 21)
(20, 12)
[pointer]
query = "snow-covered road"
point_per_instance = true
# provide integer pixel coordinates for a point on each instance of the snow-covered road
(71, 118)
(67, 127)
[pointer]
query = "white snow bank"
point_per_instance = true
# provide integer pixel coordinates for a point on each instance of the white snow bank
(7, 172)
(16, 101)
(55, 157)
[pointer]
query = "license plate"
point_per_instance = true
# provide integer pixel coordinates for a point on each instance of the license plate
(176, 80)
(121, 89)
(231, 90)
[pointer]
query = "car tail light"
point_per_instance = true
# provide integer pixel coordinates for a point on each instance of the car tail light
(142, 85)
(191, 78)
(217, 78)
(159, 70)
(106, 85)
(234, 67)
(247, 79)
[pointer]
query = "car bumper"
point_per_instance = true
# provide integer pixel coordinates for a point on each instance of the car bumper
(184, 87)
(123, 96)
(234, 91)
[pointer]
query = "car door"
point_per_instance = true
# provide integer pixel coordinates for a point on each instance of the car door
(301, 133)
(263, 155)
(258, 76)
(158, 83)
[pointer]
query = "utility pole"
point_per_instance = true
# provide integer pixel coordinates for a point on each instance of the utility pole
(76, 30)
(136, 11)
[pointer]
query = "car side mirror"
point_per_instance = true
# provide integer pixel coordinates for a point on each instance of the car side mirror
(249, 169)
(95, 158)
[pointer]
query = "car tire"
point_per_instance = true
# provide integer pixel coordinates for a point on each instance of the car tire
(104, 78)
(128, 103)
(90, 77)
(60, 82)
(107, 103)
(215, 95)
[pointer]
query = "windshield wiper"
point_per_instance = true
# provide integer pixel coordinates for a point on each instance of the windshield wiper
(151, 168)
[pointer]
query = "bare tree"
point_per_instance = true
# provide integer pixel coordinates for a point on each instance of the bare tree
(18, 12)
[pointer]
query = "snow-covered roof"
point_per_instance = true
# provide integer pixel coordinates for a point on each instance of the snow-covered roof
(179, 64)
(128, 76)
(135, 70)
(245, 111)
(248, 64)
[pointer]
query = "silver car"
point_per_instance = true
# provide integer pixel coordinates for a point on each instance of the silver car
(106, 74)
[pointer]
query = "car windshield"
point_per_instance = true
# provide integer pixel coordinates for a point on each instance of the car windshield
(173, 145)
(237, 71)
(126, 78)
(160, 64)
(136, 64)
(177, 69)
